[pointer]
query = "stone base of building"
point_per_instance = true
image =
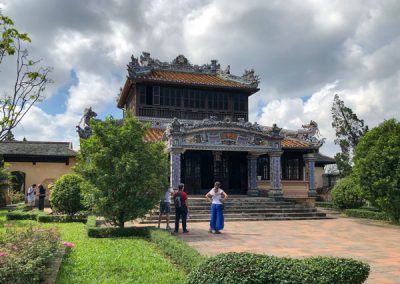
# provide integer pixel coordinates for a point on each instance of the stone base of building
(253, 192)
(308, 202)
(276, 194)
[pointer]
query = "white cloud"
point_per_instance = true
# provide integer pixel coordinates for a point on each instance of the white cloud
(310, 49)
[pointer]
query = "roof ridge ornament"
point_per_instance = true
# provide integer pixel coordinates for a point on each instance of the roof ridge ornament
(309, 133)
(142, 66)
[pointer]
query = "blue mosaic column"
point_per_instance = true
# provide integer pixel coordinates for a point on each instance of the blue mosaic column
(252, 175)
(275, 178)
(175, 164)
(310, 163)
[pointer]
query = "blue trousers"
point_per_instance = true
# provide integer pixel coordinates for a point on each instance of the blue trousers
(217, 217)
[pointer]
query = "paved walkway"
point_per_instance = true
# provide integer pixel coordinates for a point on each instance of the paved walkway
(374, 243)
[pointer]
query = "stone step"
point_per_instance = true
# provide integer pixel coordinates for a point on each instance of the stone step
(248, 215)
(250, 210)
(276, 218)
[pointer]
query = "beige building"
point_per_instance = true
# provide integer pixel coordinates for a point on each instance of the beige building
(37, 162)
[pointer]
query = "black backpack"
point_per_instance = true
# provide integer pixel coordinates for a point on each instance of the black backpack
(178, 200)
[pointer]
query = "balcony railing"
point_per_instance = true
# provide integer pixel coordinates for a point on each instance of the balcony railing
(188, 114)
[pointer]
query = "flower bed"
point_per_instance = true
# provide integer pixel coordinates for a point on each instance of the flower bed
(25, 252)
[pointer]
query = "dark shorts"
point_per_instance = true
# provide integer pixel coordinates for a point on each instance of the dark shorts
(165, 207)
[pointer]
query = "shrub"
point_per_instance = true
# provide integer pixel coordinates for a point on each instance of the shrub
(66, 194)
(24, 215)
(255, 268)
(113, 232)
(365, 213)
(178, 251)
(16, 197)
(25, 252)
(60, 218)
(377, 166)
(347, 194)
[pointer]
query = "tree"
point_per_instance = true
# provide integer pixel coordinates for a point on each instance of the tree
(377, 166)
(126, 174)
(4, 181)
(30, 81)
(349, 129)
(66, 195)
(347, 193)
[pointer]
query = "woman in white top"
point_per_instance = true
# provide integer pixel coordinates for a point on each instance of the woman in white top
(216, 196)
(31, 195)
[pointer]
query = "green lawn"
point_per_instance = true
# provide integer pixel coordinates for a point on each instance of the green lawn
(119, 260)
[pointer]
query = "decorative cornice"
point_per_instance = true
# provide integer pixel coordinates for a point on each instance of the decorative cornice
(211, 123)
(142, 66)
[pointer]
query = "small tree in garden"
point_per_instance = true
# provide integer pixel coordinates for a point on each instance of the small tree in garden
(66, 195)
(126, 173)
(377, 166)
(4, 181)
(347, 193)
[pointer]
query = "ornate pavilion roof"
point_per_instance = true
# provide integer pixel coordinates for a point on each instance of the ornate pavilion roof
(181, 71)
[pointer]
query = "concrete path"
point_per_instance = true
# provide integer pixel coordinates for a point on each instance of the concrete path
(375, 243)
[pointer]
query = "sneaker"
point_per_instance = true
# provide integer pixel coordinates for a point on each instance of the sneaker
(185, 231)
(217, 232)
(213, 231)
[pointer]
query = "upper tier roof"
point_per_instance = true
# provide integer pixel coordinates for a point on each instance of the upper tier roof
(181, 72)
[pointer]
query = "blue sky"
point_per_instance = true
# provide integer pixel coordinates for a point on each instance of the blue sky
(303, 51)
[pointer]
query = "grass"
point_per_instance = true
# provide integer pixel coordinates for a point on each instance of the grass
(109, 260)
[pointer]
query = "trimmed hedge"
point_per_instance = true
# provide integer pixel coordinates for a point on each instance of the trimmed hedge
(112, 232)
(60, 219)
(256, 268)
(368, 214)
(22, 215)
(176, 250)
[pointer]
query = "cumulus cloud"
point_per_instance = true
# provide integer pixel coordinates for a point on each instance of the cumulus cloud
(304, 52)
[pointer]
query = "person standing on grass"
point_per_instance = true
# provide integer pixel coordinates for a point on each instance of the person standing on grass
(216, 196)
(42, 195)
(181, 208)
(31, 195)
(165, 207)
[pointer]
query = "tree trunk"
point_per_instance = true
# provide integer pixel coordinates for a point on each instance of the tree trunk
(121, 220)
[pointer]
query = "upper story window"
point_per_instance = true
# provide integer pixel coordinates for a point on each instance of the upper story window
(191, 98)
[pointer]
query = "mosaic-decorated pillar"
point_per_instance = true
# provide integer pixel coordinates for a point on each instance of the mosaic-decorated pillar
(310, 164)
(252, 175)
(275, 178)
(175, 168)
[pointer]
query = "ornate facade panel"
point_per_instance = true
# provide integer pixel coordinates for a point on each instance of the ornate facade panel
(175, 164)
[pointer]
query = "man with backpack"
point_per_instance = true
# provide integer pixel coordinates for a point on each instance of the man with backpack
(181, 208)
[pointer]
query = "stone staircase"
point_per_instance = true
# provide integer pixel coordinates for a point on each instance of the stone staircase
(244, 208)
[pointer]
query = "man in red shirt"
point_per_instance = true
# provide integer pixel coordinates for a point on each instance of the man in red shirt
(181, 208)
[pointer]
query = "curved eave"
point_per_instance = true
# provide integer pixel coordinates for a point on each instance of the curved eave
(124, 93)
(247, 89)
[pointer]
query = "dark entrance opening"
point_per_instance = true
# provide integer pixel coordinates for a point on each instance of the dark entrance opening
(237, 172)
(199, 171)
